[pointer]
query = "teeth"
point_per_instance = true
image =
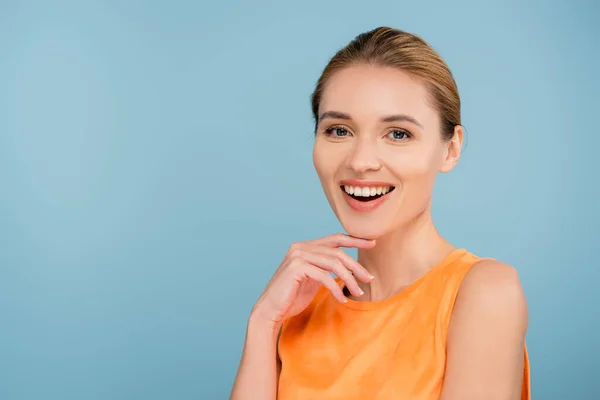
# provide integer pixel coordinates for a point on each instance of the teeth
(366, 191)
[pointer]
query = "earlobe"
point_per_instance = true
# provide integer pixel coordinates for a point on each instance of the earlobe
(453, 150)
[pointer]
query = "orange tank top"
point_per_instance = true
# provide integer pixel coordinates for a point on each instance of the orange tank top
(391, 349)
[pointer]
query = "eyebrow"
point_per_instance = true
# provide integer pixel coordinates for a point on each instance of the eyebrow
(390, 118)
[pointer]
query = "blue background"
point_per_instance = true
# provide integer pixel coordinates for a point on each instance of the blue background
(155, 164)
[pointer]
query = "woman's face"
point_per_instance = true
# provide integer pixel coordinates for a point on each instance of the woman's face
(378, 148)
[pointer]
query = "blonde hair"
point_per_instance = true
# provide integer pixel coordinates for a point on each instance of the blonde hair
(388, 47)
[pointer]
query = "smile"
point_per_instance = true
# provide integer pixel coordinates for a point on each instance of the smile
(366, 193)
(366, 198)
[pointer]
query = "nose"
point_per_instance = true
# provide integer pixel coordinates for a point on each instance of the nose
(364, 156)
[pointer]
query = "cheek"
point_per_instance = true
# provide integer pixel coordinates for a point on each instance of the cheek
(413, 165)
(324, 160)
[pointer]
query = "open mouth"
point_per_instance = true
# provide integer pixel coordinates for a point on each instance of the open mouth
(366, 194)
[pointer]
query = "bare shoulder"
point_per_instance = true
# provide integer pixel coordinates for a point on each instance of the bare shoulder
(486, 336)
(495, 273)
(493, 289)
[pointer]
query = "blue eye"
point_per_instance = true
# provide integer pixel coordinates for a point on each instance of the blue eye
(336, 132)
(398, 135)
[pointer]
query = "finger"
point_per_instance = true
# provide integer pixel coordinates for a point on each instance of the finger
(333, 264)
(358, 270)
(320, 275)
(350, 263)
(343, 240)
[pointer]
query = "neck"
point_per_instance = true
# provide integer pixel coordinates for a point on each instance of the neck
(402, 256)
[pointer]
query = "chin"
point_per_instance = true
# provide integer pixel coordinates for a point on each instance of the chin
(364, 229)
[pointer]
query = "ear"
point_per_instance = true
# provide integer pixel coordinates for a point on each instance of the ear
(453, 149)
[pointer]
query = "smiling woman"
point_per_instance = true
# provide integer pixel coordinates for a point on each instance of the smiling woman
(414, 317)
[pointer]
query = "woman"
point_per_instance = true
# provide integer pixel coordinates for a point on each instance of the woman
(414, 317)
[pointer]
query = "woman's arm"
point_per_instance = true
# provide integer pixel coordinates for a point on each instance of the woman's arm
(486, 336)
(258, 372)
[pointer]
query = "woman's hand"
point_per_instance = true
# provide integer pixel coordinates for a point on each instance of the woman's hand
(305, 268)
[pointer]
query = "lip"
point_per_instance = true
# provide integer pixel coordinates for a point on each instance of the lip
(364, 206)
(356, 182)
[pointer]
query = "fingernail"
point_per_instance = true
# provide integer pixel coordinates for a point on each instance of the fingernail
(361, 292)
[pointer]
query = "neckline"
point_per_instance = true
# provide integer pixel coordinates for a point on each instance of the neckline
(371, 305)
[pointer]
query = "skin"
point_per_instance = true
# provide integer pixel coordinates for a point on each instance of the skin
(397, 242)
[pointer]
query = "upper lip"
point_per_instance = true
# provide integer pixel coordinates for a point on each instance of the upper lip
(359, 183)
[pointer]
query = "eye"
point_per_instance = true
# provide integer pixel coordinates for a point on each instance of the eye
(398, 135)
(336, 132)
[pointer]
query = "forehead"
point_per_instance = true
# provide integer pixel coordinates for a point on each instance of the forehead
(367, 92)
